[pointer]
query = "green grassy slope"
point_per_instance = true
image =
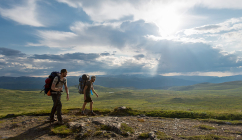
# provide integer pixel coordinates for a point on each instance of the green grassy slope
(210, 99)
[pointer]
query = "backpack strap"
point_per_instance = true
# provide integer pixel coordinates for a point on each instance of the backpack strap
(58, 80)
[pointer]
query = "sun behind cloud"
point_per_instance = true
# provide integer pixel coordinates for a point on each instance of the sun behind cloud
(168, 23)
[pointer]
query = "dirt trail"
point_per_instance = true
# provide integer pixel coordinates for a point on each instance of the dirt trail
(111, 127)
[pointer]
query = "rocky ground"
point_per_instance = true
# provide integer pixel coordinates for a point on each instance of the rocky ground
(114, 127)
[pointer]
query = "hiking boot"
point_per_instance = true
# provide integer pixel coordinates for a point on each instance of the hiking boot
(83, 114)
(60, 123)
(51, 120)
(92, 114)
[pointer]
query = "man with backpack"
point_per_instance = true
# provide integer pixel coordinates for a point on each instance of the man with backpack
(87, 95)
(56, 89)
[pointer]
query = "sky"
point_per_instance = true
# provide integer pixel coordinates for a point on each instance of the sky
(115, 37)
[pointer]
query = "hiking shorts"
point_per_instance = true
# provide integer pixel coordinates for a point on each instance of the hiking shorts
(88, 99)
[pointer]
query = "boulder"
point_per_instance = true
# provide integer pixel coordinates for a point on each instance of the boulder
(122, 108)
(75, 125)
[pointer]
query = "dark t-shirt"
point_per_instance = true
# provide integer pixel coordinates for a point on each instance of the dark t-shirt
(89, 85)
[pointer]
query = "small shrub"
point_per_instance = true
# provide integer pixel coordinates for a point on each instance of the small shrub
(87, 134)
(237, 132)
(144, 135)
(125, 128)
(98, 133)
(163, 136)
(106, 127)
(123, 112)
(141, 120)
(108, 135)
(97, 127)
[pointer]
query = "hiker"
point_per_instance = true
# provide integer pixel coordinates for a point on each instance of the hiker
(56, 95)
(87, 95)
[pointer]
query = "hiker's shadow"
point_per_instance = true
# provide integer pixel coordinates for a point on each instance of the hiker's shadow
(34, 132)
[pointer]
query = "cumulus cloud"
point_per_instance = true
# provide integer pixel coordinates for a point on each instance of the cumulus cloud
(225, 35)
(128, 40)
(68, 56)
(190, 57)
(139, 56)
(99, 37)
(218, 4)
(226, 26)
(54, 39)
(11, 53)
(207, 27)
(77, 63)
(138, 51)
(143, 9)
(161, 57)
(24, 13)
(167, 15)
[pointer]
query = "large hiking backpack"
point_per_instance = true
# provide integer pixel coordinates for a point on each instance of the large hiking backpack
(49, 81)
(82, 82)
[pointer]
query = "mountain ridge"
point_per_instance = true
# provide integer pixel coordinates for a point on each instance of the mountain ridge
(117, 81)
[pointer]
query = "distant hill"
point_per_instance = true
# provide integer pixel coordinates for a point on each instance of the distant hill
(210, 79)
(122, 81)
(158, 82)
(209, 86)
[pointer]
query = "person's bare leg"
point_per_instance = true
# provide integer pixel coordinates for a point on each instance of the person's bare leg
(91, 103)
(91, 107)
(83, 107)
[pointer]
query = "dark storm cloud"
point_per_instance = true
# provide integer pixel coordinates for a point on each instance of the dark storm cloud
(11, 53)
(29, 66)
(68, 56)
(208, 27)
(173, 57)
(139, 56)
(2, 64)
(191, 57)
(105, 54)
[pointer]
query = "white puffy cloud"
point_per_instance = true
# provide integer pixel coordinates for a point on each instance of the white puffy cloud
(97, 37)
(167, 15)
(24, 14)
(219, 4)
(225, 35)
(55, 39)
(229, 25)
(126, 36)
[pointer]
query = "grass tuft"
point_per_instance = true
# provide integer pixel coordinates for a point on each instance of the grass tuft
(98, 133)
(106, 127)
(205, 127)
(232, 122)
(207, 137)
(144, 135)
(62, 129)
(87, 134)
